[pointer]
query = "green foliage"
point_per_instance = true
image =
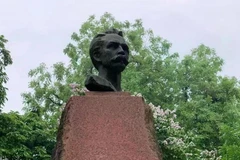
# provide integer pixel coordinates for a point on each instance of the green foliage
(209, 103)
(25, 137)
(51, 89)
(5, 60)
(231, 141)
(49, 94)
(175, 142)
(206, 104)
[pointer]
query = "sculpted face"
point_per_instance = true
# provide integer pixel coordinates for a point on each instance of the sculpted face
(114, 53)
(109, 54)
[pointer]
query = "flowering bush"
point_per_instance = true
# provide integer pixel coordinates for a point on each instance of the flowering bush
(175, 142)
(76, 90)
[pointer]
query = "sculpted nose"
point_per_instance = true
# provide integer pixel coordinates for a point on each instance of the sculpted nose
(121, 51)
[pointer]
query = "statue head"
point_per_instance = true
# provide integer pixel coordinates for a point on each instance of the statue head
(109, 50)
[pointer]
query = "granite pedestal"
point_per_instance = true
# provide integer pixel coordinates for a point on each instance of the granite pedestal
(106, 126)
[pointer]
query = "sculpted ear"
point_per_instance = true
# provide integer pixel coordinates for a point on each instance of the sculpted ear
(97, 55)
(97, 47)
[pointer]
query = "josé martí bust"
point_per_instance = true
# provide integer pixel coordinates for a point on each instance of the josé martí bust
(107, 124)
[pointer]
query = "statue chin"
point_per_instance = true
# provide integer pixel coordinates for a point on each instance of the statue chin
(117, 67)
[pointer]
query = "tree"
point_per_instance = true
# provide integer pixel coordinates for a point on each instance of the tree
(51, 90)
(204, 101)
(198, 80)
(21, 136)
(25, 137)
(5, 60)
(207, 98)
(230, 136)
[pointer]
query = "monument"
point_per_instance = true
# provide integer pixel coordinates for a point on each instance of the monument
(109, 54)
(106, 123)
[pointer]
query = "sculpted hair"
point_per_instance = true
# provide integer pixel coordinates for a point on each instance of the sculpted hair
(97, 43)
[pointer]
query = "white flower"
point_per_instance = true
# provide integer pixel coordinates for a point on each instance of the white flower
(165, 142)
(139, 95)
(152, 106)
(73, 85)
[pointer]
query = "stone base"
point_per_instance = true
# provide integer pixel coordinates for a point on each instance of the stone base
(106, 126)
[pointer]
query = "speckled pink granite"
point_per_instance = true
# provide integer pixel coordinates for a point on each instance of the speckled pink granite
(106, 126)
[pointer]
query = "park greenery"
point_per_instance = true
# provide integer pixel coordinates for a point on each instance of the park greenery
(5, 60)
(196, 110)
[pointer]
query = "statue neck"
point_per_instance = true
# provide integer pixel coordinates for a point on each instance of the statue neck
(113, 77)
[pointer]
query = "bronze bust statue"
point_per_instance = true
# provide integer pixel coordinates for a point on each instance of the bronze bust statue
(109, 54)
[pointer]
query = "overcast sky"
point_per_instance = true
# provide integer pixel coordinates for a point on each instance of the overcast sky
(39, 30)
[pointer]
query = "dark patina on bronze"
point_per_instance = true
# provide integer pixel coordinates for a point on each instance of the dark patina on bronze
(109, 53)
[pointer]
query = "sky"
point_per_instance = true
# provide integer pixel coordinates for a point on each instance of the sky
(38, 31)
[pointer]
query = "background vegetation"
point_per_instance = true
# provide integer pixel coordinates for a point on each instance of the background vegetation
(197, 111)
